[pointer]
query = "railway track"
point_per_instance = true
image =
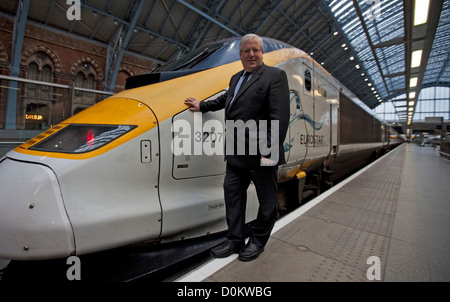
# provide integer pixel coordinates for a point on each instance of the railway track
(151, 262)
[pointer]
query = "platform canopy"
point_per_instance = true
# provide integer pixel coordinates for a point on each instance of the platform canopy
(370, 46)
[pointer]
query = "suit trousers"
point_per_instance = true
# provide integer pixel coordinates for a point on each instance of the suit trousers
(237, 181)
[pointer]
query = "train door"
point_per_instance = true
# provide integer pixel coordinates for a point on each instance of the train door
(199, 144)
(295, 152)
(320, 139)
(333, 99)
(307, 101)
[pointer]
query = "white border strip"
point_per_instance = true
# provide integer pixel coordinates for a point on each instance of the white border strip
(214, 265)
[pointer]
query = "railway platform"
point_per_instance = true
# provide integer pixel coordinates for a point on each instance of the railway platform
(389, 222)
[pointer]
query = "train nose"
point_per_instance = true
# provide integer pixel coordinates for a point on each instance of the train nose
(33, 220)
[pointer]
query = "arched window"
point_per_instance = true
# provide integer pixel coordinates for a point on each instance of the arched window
(85, 78)
(90, 84)
(90, 81)
(33, 71)
(79, 82)
(46, 75)
(38, 98)
(32, 74)
(40, 68)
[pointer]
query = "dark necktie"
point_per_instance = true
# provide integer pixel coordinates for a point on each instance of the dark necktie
(239, 87)
(246, 75)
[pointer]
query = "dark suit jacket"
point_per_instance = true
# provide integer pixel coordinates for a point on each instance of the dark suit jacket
(264, 98)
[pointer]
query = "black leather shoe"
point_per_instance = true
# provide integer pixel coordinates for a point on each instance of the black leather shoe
(226, 249)
(251, 251)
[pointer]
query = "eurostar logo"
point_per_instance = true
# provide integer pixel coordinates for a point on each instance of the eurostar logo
(298, 115)
(301, 116)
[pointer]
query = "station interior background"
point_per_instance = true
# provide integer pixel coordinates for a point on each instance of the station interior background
(59, 57)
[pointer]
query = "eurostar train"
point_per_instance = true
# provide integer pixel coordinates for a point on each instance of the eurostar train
(108, 177)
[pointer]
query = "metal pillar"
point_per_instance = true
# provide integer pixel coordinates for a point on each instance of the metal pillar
(19, 31)
(117, 48)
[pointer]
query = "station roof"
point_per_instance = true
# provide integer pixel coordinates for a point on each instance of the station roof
(366, 44)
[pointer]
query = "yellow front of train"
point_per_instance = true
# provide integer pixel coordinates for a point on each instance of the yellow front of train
(87, 184)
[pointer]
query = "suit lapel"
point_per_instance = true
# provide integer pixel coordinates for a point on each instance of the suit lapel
(234, 81)
(250, 82)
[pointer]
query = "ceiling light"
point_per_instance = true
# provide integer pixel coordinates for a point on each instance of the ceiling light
(413, 82)
(421, 11)
(411, 103)
(412, 95)
(416, 58)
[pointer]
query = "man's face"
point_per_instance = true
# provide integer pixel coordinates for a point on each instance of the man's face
(251, 55)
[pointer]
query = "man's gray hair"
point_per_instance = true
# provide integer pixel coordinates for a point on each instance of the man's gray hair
(248, 37)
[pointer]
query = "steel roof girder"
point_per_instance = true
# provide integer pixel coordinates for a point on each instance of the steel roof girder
(120, 43)
(206, 16)
(138, 27)
(203, 30)
(270, 6)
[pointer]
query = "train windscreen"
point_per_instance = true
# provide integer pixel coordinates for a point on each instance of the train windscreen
(216, 54)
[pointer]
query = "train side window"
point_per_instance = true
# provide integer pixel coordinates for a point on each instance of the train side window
(308, 80)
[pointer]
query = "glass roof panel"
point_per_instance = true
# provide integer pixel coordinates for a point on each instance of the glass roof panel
(438, 69)
(384, 22)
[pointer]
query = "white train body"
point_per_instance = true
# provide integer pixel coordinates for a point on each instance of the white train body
(108, 176)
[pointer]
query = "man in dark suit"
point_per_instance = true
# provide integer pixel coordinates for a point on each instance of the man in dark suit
(257, 117)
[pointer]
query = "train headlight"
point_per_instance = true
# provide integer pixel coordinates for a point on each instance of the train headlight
(81, 138)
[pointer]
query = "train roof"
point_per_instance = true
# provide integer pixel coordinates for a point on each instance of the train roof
(209, 56)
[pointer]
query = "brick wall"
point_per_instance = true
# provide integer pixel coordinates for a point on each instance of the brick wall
(67, 54)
